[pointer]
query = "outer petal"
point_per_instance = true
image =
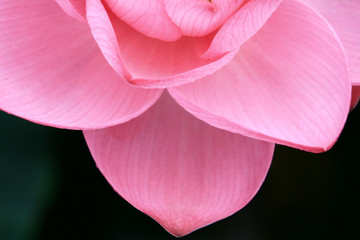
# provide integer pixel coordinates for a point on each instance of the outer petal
(344, 17)
(288, 84)
(239, 28)
(51, 71)
(145, 61)
(74, 8)
(182, 172)
(147, 17)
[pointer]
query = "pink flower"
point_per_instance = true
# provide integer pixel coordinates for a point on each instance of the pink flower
(240, 76)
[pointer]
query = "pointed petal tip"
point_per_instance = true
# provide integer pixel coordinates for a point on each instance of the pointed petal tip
(180, 227)
(178, 230)
(314, 149)
(309, 148)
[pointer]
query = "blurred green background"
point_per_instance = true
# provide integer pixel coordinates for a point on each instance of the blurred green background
(51, 189)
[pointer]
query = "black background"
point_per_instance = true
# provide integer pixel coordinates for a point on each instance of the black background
(50, 188)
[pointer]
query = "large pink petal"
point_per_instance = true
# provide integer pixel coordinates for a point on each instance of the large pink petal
(52, 72)
(288, 84)
(344, 17)
(144, 61)
(239, 28)
(182, 172)
(147, 17)
(198, 18)
(74, 8)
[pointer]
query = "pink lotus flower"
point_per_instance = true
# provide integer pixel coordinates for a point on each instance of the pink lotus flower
(240, 76)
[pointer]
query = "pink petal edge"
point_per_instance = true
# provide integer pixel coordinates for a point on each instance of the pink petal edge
(74, 8)
(344, 17)
(104, 35)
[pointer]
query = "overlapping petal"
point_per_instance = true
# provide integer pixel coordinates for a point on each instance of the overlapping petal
(74, 8)
(182, 172)
(238, 29)
(144, 61)
(104, 35)
(288, 84)
(52, 72)
(147, 17)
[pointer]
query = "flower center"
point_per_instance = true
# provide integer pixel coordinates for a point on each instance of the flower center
(199, 17)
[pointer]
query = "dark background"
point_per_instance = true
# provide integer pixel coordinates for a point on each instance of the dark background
(51, 189)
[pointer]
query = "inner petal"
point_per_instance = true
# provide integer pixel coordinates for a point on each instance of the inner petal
(147, 17)
(200, 17)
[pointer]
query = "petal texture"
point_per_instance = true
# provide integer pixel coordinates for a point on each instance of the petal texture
(288, 84)
(144, 61)
(239, 28)
(182, 172)
(147, 17)
(74, 8)
(344, 17)
(51, 71)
